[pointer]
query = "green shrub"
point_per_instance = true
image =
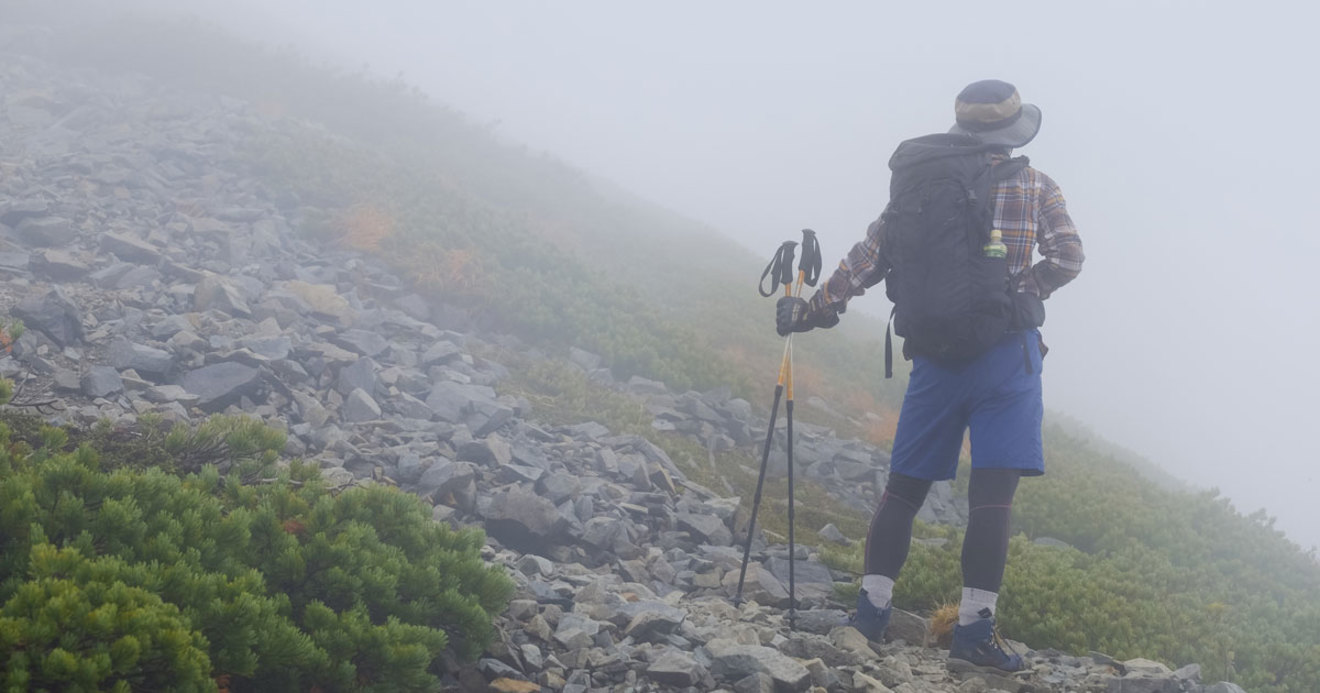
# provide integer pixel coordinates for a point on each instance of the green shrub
(74, 624)
(278, 584)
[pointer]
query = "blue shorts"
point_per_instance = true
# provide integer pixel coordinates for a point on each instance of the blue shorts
(994, 395)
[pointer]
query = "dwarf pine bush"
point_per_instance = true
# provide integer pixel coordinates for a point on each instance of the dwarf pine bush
(114, 577)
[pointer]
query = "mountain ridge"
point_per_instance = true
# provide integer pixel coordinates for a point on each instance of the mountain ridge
(228, 249)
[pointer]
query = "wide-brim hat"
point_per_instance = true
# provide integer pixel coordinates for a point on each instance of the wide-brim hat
(993, 111)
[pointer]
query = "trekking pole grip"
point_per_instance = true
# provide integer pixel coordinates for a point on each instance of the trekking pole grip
(779, 271)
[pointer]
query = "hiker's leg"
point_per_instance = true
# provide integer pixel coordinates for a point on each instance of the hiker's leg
(891, 534)
(1006, 444)
(985, 545)
(926, 445)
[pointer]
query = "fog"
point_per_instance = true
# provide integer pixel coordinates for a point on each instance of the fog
(1177, 130)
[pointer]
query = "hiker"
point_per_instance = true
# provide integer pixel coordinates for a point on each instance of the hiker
(970, 329)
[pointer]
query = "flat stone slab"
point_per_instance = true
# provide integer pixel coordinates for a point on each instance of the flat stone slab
(219, 385)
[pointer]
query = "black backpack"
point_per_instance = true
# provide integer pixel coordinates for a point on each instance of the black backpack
(951, 301)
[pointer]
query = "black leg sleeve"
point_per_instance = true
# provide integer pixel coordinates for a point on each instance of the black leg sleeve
(985, 546)
(891, 528)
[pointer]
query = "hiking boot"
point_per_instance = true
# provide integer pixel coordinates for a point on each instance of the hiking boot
(870, 620)
(980, 645)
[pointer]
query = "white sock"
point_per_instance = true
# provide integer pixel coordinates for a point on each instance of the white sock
(974, 602)
(879, 590)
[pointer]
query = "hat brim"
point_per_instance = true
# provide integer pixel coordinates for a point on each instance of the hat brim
(1022, 131)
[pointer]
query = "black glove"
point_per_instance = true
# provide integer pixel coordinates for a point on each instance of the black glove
(793, 314)
(1028, 311)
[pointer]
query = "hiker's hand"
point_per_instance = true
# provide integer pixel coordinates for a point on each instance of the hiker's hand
(1028, 311)
(793, 314)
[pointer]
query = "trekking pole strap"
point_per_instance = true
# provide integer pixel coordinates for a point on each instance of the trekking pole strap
(779, 271)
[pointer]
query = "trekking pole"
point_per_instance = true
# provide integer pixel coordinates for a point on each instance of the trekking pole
(808, 273)
(779, 271)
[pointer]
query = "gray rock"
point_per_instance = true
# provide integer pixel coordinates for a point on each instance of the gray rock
(518, 473)
(126, 247)
(54, 315)
(170, 326)
(269, 348)
(214, 292)
(907, 626)
(559, 486)
(220, 385)
(708, 529)
(641, 386)
(832, 534)
(67, 380)
(146, 360)
(414, 306)
(360, 406)
(1191, 672)
(443, 477)
(676, 668)
(15, 211)
(731, 661)
(47, 231)
(523, 520)
(473, 405)
(169, 393)
(755, 683)
(820, 621)
(60, 265)
(533, 565)
(101, 381)
(654, 625)
(487, 416)
(359, 375)
(585, 360)
(440, 353)
(452, 401)
(137, 277)
(1142, 684)
(813, 583)
(364, 342)
(407, 406)
(576, 632)
(610, 534)
(1224, 687)
(408, 468)
(15, 261)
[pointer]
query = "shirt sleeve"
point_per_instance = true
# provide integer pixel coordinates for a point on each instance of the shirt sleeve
(1059, 244)
(863, 267)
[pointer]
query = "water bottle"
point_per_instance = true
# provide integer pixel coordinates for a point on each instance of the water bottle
(996, 248)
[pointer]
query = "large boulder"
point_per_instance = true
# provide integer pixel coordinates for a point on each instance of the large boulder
(524, 521)
(128, 248)
(146, 360)
(220, 385)
(731, 660)
(54, 315)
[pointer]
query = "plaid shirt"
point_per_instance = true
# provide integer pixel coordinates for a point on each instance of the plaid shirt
(1031, 212)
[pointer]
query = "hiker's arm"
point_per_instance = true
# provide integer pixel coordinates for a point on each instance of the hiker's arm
(862, 268)
(1059, 243)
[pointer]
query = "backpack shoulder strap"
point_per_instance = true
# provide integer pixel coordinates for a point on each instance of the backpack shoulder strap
(1007, 169)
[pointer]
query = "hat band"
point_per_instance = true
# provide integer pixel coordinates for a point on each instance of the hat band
(983, 126)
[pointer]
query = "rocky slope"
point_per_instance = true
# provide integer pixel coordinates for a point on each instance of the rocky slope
(154, 275)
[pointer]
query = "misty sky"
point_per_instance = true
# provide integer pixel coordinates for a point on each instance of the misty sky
(1179, 131)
